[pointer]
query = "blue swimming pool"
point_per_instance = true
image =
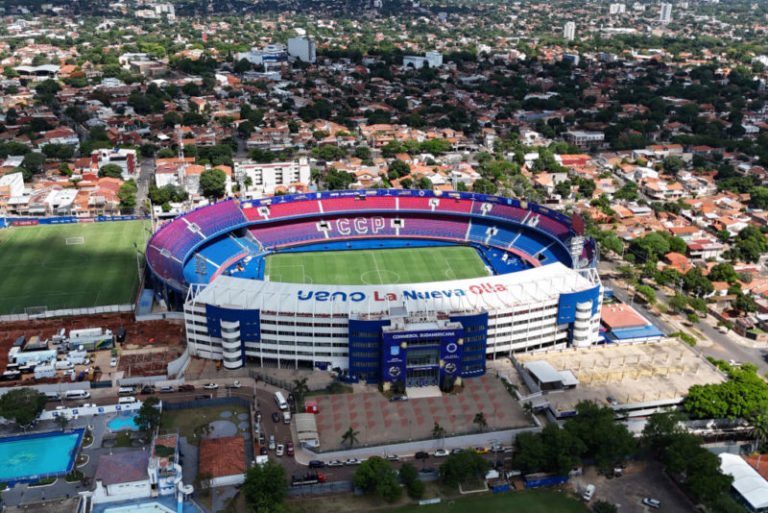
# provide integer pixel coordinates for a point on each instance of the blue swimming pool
(123, 421)
(28, 457)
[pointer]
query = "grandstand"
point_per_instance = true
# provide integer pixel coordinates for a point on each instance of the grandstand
(535, 285)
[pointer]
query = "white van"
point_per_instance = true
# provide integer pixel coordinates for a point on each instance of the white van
(280, 400)
(589, 492)
(126, 400)
(52, 396)
(77, 394)
(286, 417)
(63, 365)
(125, 391)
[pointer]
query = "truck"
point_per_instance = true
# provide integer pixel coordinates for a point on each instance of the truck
(45, 371)
(310, 478)
(91, 339)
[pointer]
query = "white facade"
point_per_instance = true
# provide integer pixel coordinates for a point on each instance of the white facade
(302, 48)
(584, 138)
(431, 59)
(304, 323)
(569, 31)
(617, 8)
(265, 178)
(14, 183)
(666, 13)
(125, 158)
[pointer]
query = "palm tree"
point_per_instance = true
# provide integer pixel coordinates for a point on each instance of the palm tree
(61, 421)
(759, 423)
(350, 436)
(480, 420)
(299, 389)
(438, 431)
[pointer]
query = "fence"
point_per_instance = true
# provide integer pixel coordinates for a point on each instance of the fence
(33, 221)
(280, 383)
(67, 312)
(321, 489)
(177, 366)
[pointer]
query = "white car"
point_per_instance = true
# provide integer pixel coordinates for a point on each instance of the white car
(236, 384)
(440, 453)
(653, 503)
(335, 463)
(210, 386)
(271, 442)
(113, 362)
(280, 450)
(353, 461)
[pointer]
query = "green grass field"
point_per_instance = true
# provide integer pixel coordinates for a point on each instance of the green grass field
(377, 266)
(39, 268)
(528, 501)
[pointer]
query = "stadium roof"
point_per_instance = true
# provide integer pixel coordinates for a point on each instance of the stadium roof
(746, 480)
(536, 285)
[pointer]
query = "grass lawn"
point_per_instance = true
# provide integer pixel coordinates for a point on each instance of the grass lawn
(376, 266)
(39, 268)
(193, 422)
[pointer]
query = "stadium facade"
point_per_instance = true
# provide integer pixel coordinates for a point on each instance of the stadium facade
(542, 290)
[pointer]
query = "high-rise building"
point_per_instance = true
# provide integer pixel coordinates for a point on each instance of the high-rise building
(302, 48)
(666, 13)
(617, 9)
(569, 30)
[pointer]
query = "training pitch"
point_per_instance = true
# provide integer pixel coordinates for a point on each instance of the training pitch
(377, 266)
(68, 265)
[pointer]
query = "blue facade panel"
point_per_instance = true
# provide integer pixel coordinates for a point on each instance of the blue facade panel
(365, 348)
(250, 324)
(473, 344)
(566, 310)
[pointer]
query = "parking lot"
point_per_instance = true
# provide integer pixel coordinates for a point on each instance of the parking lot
(640, 479)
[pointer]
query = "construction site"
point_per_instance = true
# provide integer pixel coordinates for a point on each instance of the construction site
(637, 379)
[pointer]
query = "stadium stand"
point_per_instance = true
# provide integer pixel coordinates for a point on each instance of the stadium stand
(215, 218)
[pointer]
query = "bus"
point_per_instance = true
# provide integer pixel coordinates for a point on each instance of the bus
(77, 394)
(280, 400)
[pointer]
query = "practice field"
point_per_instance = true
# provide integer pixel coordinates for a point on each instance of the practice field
(376, 267)
(528, 501)
(68, 265)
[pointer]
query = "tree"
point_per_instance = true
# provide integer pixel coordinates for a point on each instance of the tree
(745, 303)
(265, 487)
(363, 152)
(480, 421)
(375, 476)
(759, 421)
(33, 161)
(61, 421)
(462, 466)
(530, 453)
(723, 272)
(299, 389)
(410, 478)
(398, 168)
(647, 292)
(338, 180)
(110, 171)
(438, 431)
(678, 302)
(22, 405)
(604, 507)
(604, 440)
(660, 429)
(750, 244)
(350, 436)
(696, 283)
(484, 186)
(148, 416)
(673, 164)
(561, 449)
(213, 183)
(127, 195)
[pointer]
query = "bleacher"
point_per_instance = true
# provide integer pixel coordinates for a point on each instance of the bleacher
(386, 203)
(216, 218)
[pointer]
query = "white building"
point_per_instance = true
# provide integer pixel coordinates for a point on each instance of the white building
(273, 54)
(302, 48)
(431, 59)
(617, 9)
(569, 31)
(122, 476)
(124, 158)
(666, 13)
(265, 178)
(583, 138)
(11, 186)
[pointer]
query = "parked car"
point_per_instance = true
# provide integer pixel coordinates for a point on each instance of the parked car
(272, 446)
(147, 389)
(335, 463)
(263, 451)
(186, 388)
(589, 492)
(275, 417)
(316, 464)
(353, 461)
(166, 390)
(497, 448)
(236, 384)
(280, 450)
(440, 453)
(481, 450)
(210, 386)
(262, 439)
(651, 503)
(457, 450)
(113, 362)
(392, 457)
(289, 448)
(421, 455)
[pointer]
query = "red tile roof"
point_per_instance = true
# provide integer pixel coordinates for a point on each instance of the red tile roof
(222, 456)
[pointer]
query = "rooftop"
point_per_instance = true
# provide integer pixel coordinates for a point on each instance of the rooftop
(222, 456)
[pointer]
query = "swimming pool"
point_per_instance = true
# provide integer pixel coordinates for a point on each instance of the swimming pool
(165, 504)
(28, 457)
(123, 421)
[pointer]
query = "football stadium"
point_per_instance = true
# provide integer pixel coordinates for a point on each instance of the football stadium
(403, 287)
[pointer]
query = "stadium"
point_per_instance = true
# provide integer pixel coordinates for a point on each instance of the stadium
(402, 287)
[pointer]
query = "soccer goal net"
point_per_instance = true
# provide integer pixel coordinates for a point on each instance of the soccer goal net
(74, 241)
(35, 310)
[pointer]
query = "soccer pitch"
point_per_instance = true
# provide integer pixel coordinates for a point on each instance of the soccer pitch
(68, 265)
(376, 267)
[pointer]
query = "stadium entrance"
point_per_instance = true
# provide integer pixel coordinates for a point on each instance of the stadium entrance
(422, 377)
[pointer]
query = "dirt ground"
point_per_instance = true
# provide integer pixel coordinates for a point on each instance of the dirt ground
(138, 334)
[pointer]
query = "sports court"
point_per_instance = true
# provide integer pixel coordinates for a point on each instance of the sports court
(376, 267)
(68, 266)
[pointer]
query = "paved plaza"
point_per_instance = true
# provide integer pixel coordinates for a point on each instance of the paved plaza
(379, 421)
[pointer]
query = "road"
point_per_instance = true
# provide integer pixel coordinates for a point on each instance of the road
(146, 175)
(720, 345)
